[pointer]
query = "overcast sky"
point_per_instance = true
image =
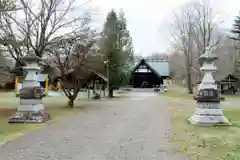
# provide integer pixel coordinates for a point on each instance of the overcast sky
(148, 21)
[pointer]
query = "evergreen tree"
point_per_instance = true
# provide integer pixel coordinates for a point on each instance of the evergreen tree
(236, 37)
(126, 47)
(118, 50)
(7, 5)
(236, 29)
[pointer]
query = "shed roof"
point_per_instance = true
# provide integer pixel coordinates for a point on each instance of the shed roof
(100, 75)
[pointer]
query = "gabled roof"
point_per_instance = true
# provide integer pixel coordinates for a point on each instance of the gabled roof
(226, 78)
(160, 67)
(100, 75)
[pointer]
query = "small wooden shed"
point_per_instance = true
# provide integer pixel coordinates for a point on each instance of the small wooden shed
(227, 84)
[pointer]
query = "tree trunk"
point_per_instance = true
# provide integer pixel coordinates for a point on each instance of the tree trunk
(189, 83)
(71, 102)
(110, 93)
(71, 95)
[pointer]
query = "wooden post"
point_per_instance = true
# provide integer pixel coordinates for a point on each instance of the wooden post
(59, 85)
(16, 86)
(88, 90)
(46, 86)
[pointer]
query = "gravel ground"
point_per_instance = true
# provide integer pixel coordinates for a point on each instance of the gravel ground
(134, 128)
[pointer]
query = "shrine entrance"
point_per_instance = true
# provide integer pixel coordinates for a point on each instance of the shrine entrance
(144, 80)
(144, 76)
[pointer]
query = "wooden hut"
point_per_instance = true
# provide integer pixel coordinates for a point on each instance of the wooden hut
(227, 84)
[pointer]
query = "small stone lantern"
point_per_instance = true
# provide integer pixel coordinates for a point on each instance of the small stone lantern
(31, 108)
(208, 110)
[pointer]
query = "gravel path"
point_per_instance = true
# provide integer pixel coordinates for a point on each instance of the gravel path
(134, 128)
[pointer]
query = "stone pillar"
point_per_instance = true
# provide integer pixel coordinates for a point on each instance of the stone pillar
(208, 110)
(31, 108)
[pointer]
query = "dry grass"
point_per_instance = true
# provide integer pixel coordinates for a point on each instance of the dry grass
(175, 91)
(204, 143)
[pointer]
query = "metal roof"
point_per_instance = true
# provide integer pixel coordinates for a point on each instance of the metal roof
(160, 66)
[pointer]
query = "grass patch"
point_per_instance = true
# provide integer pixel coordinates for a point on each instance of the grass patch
(177, 95)
(120, 94)
(56, 106)
(205, 143)
(175, 91)
(232, 97)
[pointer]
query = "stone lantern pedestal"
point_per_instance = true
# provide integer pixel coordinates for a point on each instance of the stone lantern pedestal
(31, 108)
(208, 110)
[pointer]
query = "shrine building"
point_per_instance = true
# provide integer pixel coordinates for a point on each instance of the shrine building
(149, 73)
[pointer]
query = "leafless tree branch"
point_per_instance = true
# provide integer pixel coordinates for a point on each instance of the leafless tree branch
(43, 22)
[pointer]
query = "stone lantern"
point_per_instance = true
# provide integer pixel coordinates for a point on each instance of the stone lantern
(31, 108)
(208, 110)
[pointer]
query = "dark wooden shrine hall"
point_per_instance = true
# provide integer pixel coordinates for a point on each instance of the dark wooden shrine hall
(149, 73)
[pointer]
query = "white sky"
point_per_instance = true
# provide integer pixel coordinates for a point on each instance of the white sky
(148, 20)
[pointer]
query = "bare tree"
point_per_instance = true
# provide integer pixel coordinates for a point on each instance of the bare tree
(195, 29)
(177, 64)
(206, 26)
(43, 21)
(183, 35)
(76, 59)
(206, 29)
(226, 57)
(158, 56)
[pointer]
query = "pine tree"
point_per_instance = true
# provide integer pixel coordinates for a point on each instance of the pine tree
(7, 5)
(110, 49)
(236, 29)
(117, 48)
(236, 37)
(126, 48)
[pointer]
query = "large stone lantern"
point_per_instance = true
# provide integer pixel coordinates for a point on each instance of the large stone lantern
(208, 110)
(31, 108)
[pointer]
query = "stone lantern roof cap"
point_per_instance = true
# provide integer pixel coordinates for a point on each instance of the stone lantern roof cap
(208, 56)
(31, 58)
